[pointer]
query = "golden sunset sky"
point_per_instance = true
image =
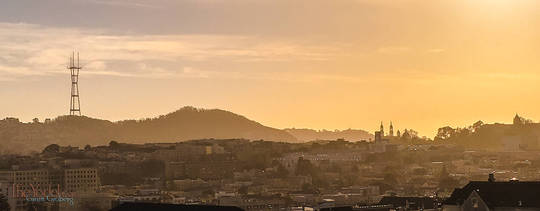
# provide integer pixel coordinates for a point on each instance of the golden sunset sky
(321, 64)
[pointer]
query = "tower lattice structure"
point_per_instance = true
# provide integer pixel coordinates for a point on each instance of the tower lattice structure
(75, 103)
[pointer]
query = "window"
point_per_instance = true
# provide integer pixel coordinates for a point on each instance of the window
(474, 202)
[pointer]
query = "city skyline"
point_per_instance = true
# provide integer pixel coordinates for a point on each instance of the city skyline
(317, 64)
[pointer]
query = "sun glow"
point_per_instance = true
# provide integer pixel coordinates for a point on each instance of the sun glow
(500, 4)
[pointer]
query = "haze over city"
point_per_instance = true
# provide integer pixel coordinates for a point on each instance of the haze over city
(305, 64)
(269, 105)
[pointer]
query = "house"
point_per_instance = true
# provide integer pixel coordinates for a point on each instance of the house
(493, 195)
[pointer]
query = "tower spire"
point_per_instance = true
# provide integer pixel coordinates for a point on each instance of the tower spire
(382, 129)
(75, 102)
(391, 130)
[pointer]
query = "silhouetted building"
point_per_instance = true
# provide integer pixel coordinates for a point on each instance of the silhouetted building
(255, 203)
(208, 169)
(391, 131)
(381, 130)
(72, 180)
(492, 195)
(378, 136)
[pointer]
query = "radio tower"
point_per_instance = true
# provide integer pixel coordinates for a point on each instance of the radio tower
(75, 104)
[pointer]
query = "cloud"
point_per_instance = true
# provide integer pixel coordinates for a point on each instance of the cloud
(393, 49)
(436, 50)
(124, 3)
(30, 50)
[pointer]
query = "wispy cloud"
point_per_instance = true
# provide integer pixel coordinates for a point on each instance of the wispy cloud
(29, 50)
(393, 49)
(125, 3)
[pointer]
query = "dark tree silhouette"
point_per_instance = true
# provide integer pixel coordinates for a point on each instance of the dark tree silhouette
(4, 205)
(53, 148)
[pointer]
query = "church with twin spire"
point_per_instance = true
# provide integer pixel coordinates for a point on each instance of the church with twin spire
(390, 131)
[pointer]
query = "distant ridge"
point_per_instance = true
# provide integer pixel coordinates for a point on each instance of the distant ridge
(184, 124)
(313, 135)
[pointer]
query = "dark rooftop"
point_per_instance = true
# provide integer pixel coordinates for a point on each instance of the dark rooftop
(499, 194)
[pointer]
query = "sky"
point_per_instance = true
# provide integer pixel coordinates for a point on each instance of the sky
(339, 64)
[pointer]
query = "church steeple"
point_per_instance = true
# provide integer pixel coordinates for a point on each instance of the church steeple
(391, 131)
(382, 129)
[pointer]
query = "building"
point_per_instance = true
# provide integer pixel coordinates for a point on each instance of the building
(381, 131)
(379, 145)
(254, 203)
(493, 195)
(175, 170)
(17, 182)
(511, 143)
(188, 152)
(20, 184)
(378, 136)
(81, 180)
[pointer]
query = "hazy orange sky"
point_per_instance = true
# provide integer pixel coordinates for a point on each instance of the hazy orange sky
(322, 64)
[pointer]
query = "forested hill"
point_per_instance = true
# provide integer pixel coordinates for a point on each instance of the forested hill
(185, 124)
(523, 134)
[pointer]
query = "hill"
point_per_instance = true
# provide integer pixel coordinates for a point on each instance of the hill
(185, 124)
(312, 135)
(523, 134)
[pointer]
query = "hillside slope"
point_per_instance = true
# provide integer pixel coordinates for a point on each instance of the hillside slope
(184, 124)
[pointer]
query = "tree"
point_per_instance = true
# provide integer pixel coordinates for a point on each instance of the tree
(477, 125)
(114, 145)
(406, 136)
(4, 205)
(444, 133)
(413, 133)
(53, 148)
(518, 120)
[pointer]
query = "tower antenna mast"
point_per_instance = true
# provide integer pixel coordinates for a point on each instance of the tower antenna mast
(75, 103)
